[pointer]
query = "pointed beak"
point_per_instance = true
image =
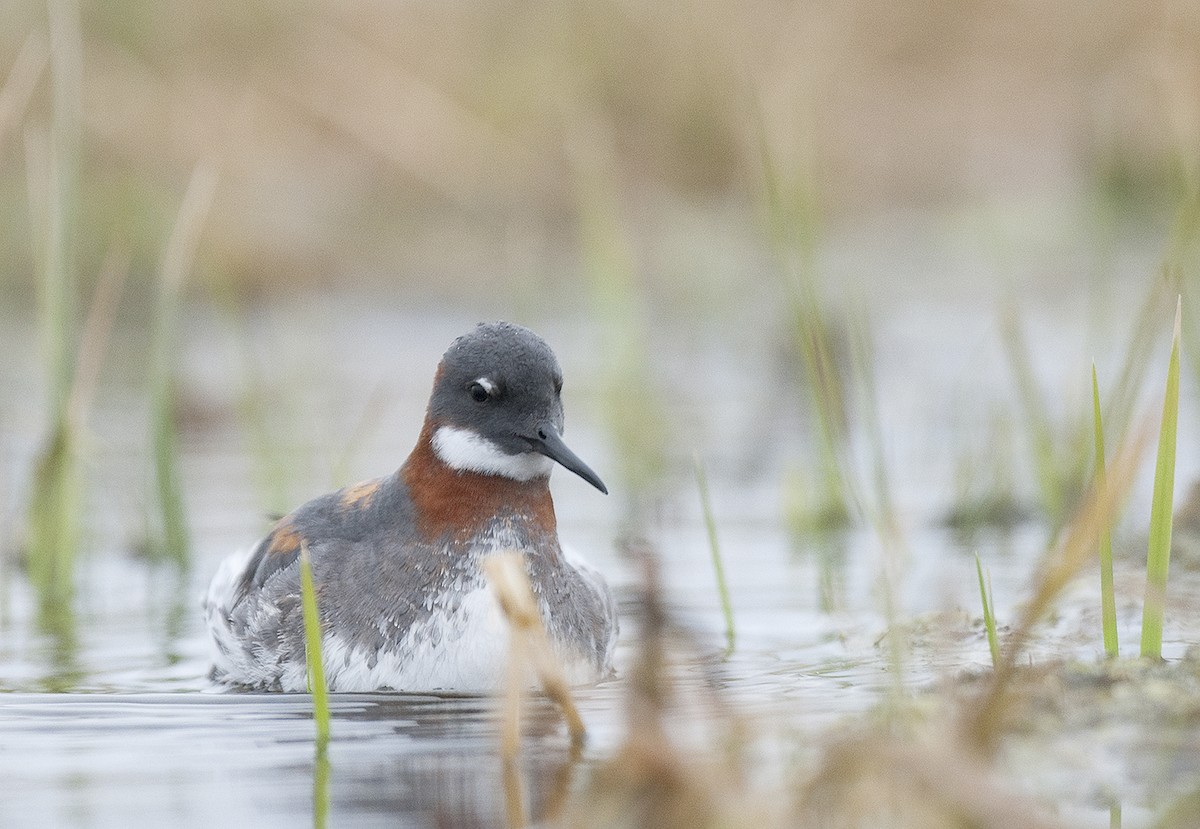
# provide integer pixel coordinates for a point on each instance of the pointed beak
(550, 443)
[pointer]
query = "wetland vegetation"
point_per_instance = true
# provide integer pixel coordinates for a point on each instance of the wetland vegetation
(882, 319)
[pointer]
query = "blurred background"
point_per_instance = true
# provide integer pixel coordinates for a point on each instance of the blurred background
(855, 256)
(453, 152)
(848, 262)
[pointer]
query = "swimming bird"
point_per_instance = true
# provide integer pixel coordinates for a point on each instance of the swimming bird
(396, 561)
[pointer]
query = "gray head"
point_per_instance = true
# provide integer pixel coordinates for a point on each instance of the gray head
(496, 408)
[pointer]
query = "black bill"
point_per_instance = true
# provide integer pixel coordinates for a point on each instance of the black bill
(550, 444)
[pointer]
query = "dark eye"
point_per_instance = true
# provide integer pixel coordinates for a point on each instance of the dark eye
(558, 385)
(478, 393)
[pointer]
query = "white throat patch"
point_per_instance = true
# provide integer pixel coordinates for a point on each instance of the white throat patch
(468, 451)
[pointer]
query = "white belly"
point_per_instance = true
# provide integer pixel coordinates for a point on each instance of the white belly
(464, 651)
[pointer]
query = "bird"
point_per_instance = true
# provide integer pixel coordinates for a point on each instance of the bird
(397, 561)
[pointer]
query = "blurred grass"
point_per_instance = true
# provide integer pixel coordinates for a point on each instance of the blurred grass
(632, 407)
(791, 204)
(985, 489)
(60, 218)
(359, 139)
(1058, 455)
(164, 438)
(18, 87)
(714, 546)
(405, 145)
(1108, 603)
(52, 535)
(54, 520)
(1059, 447)
(265, 439)
(1063, 560)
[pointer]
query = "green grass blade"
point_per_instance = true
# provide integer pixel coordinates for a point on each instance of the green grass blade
(312, 647)
(53, 530)
(168, 477)
(320, 787)
(989, 615)
(1158, 556)
(710, 524)
(318, 688)
(1108, 604)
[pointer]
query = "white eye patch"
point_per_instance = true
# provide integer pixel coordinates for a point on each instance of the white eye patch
(468, 451)
(488, 384)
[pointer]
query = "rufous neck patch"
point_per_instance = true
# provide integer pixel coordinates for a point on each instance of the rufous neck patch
(460, 503)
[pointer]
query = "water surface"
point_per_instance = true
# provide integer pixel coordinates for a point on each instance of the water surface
(113, 723)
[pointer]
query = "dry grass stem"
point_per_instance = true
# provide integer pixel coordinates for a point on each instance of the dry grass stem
(97, 329)
(18, 88)
(911, 784)
(652, 780)
(185, 235)
(531, 649)
(514, 793)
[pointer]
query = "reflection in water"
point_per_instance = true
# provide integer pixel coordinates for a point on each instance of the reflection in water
(436, 759)
(56, 621)
(205, 760)
(829, 551)
(464, 786)
(181, 605)
(559, 788)
(320, 787)
(217, 759)
(514, 800)
(63, 670)
(51, 546)
(556, 788)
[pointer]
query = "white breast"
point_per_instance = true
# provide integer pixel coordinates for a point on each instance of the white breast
(461, 650)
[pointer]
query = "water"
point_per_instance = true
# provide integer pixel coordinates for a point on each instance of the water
(143, 738)
(209, 759)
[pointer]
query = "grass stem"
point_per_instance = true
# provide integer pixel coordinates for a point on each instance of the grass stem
(58, 286)
(710, 524)
(1108, 604)
(1158, 556)
(530, 649)
(52, 164)
(791, 202)
(312, 647)
(1038, 422)
(19, 87)
(176, 264)
(321, 788)
(989, 611)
